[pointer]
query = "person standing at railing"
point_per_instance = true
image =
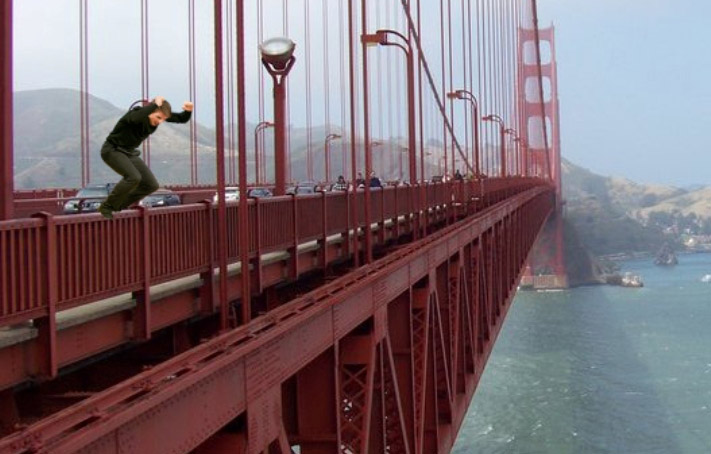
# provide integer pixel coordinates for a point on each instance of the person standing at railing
(121, 153)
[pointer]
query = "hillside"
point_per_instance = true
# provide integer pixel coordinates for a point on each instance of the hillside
(605, 211)
(48, 144)
(697, 202)
(620, 193)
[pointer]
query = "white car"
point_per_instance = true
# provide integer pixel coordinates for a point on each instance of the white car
(231, 194)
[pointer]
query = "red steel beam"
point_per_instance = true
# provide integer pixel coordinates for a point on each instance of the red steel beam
(179, 404)
(6, 149)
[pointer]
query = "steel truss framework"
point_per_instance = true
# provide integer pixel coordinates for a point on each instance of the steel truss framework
(384, 359)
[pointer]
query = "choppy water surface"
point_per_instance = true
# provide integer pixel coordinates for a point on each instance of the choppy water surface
(601, 370)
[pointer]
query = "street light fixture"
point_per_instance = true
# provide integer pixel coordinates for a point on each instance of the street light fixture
(278, 59)
(261, 126)
(381, 37)
(326, 150)
(277, 52)
(469, 96)
(502, 128)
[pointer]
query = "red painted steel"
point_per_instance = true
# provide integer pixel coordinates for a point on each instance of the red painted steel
(6, 126)
(394, 394)
(383, 359)
(96, 259)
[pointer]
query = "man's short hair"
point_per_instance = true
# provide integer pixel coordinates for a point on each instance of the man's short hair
(165, 109)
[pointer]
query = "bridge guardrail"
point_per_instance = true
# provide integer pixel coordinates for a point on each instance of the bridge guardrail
(51, 263)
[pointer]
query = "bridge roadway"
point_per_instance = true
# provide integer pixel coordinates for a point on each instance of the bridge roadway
(424, 318)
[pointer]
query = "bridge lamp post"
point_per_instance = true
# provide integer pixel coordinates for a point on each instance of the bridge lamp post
(380, 37)
(260, 127)
(502, 129)
(514, 136)
(469, 96)
(278, 59)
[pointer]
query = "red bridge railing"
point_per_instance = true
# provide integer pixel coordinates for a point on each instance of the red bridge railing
(51, 263)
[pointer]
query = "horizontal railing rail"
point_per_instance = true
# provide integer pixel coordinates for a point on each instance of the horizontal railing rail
(84, 258)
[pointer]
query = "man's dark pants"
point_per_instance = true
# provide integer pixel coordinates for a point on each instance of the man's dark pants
(138, 180)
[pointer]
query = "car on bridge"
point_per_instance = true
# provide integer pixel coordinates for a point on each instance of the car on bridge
(88, 198)
(161, 198)
(259, 193)
(232, 193)
(305, 187)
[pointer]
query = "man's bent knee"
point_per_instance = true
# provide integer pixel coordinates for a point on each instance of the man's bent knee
(133, 179)
(151, 186)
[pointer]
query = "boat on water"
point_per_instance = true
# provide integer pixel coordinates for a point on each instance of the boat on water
(632, 280)
(706, 278)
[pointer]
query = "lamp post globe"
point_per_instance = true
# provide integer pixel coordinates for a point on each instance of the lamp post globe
(278, 59)
(277, 52)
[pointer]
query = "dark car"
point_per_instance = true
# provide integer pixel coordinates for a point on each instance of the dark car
(306, 187)
(160, 198)
(88, 198)
(259, 193)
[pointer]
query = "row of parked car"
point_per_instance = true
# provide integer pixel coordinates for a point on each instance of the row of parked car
(88, 198)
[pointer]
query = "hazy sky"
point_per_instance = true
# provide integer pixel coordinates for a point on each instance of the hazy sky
(635, 86)
(634, 75)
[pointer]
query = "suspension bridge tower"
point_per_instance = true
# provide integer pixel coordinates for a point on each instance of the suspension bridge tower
(541, 134)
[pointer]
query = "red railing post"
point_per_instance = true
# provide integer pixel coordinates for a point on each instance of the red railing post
(257, 260)
(142, 311)
(47, 325)
(207, 290)
(324, 233)
(294, 249)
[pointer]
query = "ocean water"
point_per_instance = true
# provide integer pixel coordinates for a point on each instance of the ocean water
(601, 370)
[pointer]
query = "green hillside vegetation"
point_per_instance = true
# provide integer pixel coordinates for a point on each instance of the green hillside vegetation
(615, 215)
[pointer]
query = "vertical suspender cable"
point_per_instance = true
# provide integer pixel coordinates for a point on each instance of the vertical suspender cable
(144, 71)
(287, 113)
(491, 156)
(419, 90)
(307, 54)
(342, 94)
(366, 134)
(230, 93)
(465, 78)
(378, 74)
(242, 145)
(444, 78)
(220, 157)
(192, 87)
(451, 81)
(260, 154)
(389, 88)
(471, 67)
(327, 82)
(398, 96)
(479, 89)
(83, 107)
(352, 80)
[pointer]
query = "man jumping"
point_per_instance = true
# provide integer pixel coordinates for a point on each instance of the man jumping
(121, 153)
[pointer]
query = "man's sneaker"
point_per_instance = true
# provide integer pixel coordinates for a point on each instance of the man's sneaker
(106, 211)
